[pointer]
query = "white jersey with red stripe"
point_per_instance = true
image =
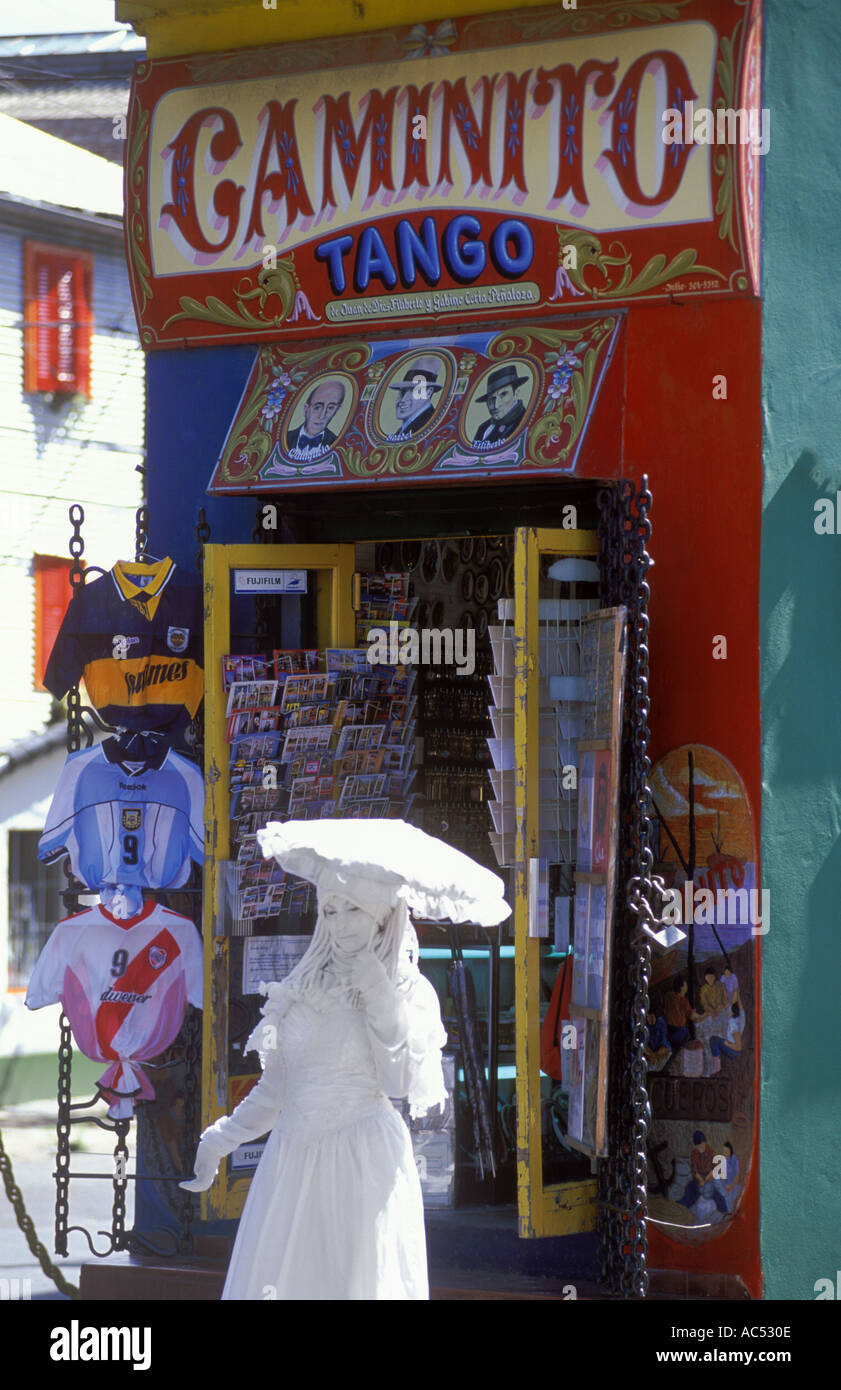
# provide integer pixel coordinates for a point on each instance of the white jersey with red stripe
(124, 986)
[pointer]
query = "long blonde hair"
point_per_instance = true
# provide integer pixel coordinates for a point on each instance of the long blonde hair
(307, 979)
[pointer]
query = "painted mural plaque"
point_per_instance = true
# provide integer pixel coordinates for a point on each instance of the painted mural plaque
(499, 167)
(702, 1021)
(460, 408)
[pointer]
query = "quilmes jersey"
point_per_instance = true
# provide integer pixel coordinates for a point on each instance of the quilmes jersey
(124, 987)
(135, 634)
(128, 823)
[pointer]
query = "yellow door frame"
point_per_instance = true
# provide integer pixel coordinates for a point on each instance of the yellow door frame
(570, 1207)
(334, 568)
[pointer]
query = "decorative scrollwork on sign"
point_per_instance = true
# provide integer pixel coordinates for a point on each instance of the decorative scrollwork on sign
(724, 161)
(555, 435)
(279, 283)
(587, 251)
(615, 14)
(386, 460)
(246, 451)
(572, 357)
(347, 356)
(136, 221)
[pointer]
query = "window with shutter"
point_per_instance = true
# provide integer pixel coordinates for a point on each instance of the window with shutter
(58, 320)
(52, 595)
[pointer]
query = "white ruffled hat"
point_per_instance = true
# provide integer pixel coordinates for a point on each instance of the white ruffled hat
(388, 861)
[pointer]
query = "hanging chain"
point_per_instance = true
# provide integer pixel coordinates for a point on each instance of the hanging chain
(624, 533)
(192, 1064)
(77, 576)
(70, 901)
(24, 1221)
(635, 1275)
(62, 1157)
(202, 534)
(119, 1240)
(141, 532)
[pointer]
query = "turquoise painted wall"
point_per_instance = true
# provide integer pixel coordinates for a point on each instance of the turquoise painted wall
(801, 652)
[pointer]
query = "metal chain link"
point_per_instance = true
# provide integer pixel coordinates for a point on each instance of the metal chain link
(76, 514)
(192, 1065)
(119, 1240)
(202, 538)
(77, 577)
(624, 533)
(141, 532)
(62, 1157)
(24, 1221)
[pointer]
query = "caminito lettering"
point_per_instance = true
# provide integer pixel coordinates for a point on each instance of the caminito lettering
(369, 147)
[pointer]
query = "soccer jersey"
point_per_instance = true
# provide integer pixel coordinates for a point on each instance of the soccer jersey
(123, 822)
(124, 987)
(135, 635)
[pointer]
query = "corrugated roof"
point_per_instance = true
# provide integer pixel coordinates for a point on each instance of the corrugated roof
(60, 101)
(25, 750)
(43, 45)
(43, 169)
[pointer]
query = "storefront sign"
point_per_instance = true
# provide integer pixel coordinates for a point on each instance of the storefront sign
(270, 581)
(513, 404)
(525, 163)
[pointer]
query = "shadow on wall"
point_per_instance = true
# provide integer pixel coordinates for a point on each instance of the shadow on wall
(801, 758)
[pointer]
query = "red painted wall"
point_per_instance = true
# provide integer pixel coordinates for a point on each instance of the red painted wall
(704, 462)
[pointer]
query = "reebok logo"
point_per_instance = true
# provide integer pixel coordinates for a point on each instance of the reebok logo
(76, 1343)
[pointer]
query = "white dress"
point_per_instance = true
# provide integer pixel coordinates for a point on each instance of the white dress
(335, 1209)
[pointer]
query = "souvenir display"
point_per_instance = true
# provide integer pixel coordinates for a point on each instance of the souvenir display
(310, 743)
(124, 986)
(135, 636)
(136, 823)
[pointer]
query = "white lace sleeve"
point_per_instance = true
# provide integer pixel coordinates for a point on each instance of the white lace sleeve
(407, 1036)
(427, 1036)
(257, 1113)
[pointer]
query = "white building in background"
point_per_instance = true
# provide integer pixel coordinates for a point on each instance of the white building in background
(71, 431)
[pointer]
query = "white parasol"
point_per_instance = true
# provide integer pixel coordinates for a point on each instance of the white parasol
(392, 861)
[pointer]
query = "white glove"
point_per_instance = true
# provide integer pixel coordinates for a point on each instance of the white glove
(205, 1166)
(367, 973)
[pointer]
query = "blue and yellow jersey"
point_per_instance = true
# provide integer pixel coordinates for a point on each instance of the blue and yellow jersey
(135, 636)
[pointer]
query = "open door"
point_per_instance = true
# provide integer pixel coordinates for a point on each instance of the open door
(316, 582)
(567, 662)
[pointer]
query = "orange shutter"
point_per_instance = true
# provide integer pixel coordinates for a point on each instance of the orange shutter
(52, 595)
(58, 322)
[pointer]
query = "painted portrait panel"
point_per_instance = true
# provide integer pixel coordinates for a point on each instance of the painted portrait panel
(412, 397)
(499, 406)
(317, 416)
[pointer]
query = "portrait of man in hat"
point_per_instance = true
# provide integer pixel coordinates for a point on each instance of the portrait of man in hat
(311, 437)
(415, 404)
(505, 409)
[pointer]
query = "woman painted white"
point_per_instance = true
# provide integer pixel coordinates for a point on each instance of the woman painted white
(335, 1209)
